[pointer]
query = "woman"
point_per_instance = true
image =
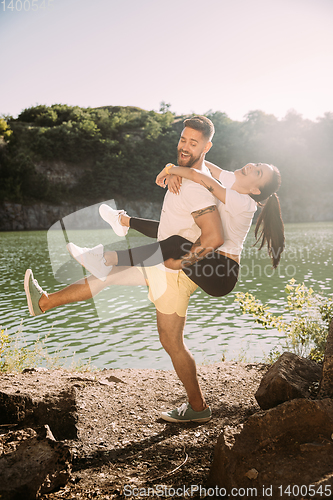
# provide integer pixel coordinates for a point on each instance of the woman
(217, 273)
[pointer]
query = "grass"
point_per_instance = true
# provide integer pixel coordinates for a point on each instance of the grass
(16, 355)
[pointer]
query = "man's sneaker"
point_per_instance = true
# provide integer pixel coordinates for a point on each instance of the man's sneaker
(112, 217)
(92, 259)
(33, 292)
(185, 413)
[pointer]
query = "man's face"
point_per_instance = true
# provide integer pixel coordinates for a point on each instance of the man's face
(192, 147)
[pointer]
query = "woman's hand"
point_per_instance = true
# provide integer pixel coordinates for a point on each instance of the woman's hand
(160, 179)
(172, 181)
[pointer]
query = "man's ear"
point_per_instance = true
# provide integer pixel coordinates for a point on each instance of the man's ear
(208, 146)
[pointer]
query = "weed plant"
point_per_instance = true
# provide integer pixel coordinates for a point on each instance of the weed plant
(16, 355)
(305, 325)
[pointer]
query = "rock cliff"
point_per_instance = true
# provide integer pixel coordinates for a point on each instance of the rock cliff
(41, 216)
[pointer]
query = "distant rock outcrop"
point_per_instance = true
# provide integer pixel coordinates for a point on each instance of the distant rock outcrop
(41, 216)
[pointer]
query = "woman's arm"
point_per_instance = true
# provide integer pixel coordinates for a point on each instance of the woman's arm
(196, 176)
(214, 169)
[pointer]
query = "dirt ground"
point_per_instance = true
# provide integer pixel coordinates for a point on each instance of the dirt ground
(124, 448)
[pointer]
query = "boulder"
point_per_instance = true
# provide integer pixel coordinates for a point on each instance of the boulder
(326, 382)
(32, 463)
(290, 377)
(58, 411)
(275, 450)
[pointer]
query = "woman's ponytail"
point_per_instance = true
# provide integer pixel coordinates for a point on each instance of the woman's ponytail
(271, 229)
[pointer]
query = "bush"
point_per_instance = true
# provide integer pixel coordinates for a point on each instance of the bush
(5, 130)
(306, 331)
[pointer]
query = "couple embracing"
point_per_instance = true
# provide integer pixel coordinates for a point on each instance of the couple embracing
(206, 215)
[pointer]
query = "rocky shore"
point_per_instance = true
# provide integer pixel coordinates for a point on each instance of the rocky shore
(98, 434)
(109, 427)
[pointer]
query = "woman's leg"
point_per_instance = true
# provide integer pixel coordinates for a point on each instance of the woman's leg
(89, 287)
(216, 274)
(147, 255)
(145, 226)
(150, 255)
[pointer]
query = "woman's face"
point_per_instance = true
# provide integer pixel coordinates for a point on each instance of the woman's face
(253, 176)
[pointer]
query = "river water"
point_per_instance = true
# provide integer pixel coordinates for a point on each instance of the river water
(118, 329)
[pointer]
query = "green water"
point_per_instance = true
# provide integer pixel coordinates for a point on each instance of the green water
(118, 328)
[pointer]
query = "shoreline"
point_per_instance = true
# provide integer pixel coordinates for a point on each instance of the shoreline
(120, 438)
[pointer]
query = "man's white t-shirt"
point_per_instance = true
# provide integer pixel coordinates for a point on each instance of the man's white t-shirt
(176, 212)
(236, 215)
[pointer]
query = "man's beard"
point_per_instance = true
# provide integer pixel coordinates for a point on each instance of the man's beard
(189, 161)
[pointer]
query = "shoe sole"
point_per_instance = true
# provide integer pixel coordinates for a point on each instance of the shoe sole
(27, 275)
(178, 421)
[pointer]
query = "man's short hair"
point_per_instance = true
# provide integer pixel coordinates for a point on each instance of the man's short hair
(201, 123)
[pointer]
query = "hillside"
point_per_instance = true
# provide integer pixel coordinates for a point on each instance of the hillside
(64, 156)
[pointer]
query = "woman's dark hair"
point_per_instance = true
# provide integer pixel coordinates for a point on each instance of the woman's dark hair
(269, 223)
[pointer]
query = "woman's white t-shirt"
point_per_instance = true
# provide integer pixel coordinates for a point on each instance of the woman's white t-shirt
(236, 215)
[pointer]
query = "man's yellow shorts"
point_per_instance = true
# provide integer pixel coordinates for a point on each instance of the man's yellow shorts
(170, 292)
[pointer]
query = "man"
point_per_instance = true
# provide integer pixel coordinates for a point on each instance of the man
(192, 214)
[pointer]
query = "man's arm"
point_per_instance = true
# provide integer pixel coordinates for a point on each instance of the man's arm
(209, 221)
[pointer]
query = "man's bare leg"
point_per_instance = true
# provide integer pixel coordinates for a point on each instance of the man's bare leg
(171, 328)
(89, 287)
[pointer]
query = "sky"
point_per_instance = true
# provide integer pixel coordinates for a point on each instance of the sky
(233, 56)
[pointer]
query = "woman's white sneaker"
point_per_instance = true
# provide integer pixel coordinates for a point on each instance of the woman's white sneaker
(91, 259)
(112, 217)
